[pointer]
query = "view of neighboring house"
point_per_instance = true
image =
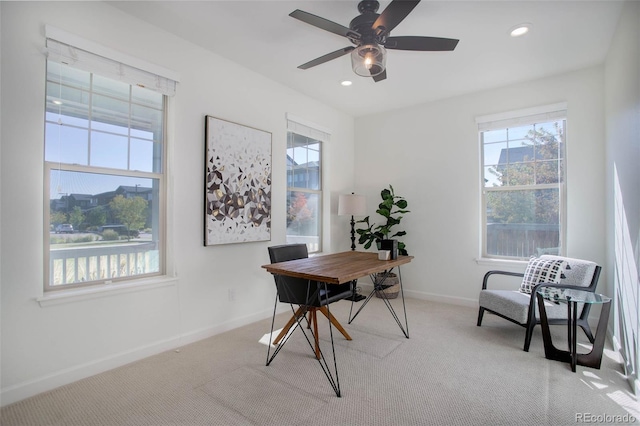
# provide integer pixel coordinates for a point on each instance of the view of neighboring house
(87, 202)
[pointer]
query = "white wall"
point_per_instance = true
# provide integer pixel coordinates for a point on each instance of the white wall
(43, 347)
(430, 154)
(622, 107)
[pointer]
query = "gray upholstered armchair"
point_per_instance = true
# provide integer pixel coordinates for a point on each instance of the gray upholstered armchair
(521, 308)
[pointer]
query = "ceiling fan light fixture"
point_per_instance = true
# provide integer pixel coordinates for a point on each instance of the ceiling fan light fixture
(368, 60)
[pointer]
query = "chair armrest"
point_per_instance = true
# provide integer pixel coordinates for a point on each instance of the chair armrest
(488, 274)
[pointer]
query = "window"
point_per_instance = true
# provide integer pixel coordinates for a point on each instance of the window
(304, 184)
(104, 170)
(523, 169)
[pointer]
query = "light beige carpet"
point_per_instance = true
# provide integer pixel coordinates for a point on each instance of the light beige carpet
(450, 372)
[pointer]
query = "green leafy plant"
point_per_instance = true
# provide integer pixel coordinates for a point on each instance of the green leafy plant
(110, 235)
(392, 208)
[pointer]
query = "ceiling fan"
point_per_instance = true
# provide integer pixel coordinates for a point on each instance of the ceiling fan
(370, 33)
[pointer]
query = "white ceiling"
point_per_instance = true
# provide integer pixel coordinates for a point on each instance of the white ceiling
(566, 35)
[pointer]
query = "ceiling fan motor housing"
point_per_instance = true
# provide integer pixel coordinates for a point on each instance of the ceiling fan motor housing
(363, 24)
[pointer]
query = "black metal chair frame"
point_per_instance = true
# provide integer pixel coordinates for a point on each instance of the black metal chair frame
(532, 320)
(309, 304)
(332, 376)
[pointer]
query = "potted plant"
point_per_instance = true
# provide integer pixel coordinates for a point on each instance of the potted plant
(392, 208)
(377, 234)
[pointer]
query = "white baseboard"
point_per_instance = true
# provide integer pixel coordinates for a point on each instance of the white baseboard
(51, 381)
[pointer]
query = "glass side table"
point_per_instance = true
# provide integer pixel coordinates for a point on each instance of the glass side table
(573, 297)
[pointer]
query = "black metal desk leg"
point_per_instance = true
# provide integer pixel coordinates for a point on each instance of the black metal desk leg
(378, 288)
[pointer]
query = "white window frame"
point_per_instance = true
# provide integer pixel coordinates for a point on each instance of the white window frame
(68, 49)
(529, 116)
(321, 134)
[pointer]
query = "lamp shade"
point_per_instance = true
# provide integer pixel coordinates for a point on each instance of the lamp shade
(352, 205)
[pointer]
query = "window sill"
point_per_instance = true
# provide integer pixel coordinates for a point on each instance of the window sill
(503, 263)
(75, 295)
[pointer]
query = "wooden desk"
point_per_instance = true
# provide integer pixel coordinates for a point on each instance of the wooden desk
(336, 268)
(340, 268)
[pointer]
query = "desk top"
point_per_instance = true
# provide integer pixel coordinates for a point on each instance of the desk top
(336, 268)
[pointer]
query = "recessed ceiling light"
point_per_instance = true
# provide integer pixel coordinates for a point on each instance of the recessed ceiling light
(346, 83)
(519, 30)
(57, 102)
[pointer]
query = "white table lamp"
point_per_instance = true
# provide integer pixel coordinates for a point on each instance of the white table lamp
(352, 205)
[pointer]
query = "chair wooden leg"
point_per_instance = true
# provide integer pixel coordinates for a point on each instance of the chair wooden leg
(335, 322)
(288, 326)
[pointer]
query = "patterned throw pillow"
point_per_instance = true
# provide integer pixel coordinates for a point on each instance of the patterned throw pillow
(541, 271)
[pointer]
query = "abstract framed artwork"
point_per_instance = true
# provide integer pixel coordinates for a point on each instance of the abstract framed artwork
(237, 183)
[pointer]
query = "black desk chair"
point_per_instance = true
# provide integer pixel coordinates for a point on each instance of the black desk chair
(309, 296)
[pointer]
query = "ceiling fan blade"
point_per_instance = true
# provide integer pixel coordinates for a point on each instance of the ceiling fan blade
(324, 24)
(380, 77)
(394, 14)
(327, 57)
(433, 44)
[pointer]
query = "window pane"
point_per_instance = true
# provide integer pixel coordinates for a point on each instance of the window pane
(493, 151)
(493, 176)
(303, 162)
(142, 134)
(67, 100)
(110, 115)
(523, 223)
(145, 156)
(548, 172)
(102, 227)
(146, 97)
(147, 119)
(552, 129)
(67, 76)
(519, 132)
(494, 136)
(111, 88)
(64, 144)
(55, 117)
(520, 174)
(109, 150)
(303, 219)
